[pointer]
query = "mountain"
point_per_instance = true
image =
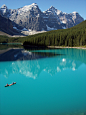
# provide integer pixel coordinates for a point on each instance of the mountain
(30, 17)
(56, 17)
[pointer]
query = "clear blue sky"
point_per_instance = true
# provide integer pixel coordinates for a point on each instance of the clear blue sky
(67, 6)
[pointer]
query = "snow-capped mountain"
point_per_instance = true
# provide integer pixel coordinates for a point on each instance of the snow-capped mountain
(31, 17)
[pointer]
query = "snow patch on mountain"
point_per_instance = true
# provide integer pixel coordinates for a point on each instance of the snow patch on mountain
(63, 21)
(58, 12)
(64, 27)
(38, 15)
(49, 28)
(74, 12)
(24, 29)
(15, 28)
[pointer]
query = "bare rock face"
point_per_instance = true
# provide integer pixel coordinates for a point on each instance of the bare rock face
(32, 18)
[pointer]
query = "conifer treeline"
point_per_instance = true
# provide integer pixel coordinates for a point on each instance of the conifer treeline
(75, 36)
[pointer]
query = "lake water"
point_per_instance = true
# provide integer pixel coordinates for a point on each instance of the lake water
(52, 85)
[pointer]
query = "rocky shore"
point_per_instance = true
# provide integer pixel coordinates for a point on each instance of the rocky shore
(66, 47)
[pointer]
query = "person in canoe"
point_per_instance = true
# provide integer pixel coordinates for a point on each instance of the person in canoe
(10, 84)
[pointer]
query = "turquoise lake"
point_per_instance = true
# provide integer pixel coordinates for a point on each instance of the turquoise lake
(53, 85)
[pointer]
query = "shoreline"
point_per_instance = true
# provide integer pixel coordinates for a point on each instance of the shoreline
(57, 47)
(34, 46)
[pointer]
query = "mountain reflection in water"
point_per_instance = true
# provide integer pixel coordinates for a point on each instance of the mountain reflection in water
(52, 63)
(35, 67)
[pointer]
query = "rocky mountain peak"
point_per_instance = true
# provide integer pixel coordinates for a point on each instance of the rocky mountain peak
(53, 10)
(34, 4)
(4, 6)
(33, 7)
(30, 7)
(52, 7)
(3, 10)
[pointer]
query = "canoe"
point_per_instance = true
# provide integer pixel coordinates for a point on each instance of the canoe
(10, 84)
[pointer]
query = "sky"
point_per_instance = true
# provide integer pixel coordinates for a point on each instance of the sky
(67, 6)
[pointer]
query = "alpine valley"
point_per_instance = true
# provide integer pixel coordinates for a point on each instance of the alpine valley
(31, 18)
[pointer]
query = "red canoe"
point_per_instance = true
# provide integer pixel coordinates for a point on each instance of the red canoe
(10, 84)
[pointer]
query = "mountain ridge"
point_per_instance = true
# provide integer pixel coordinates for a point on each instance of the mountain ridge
(32, 18)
